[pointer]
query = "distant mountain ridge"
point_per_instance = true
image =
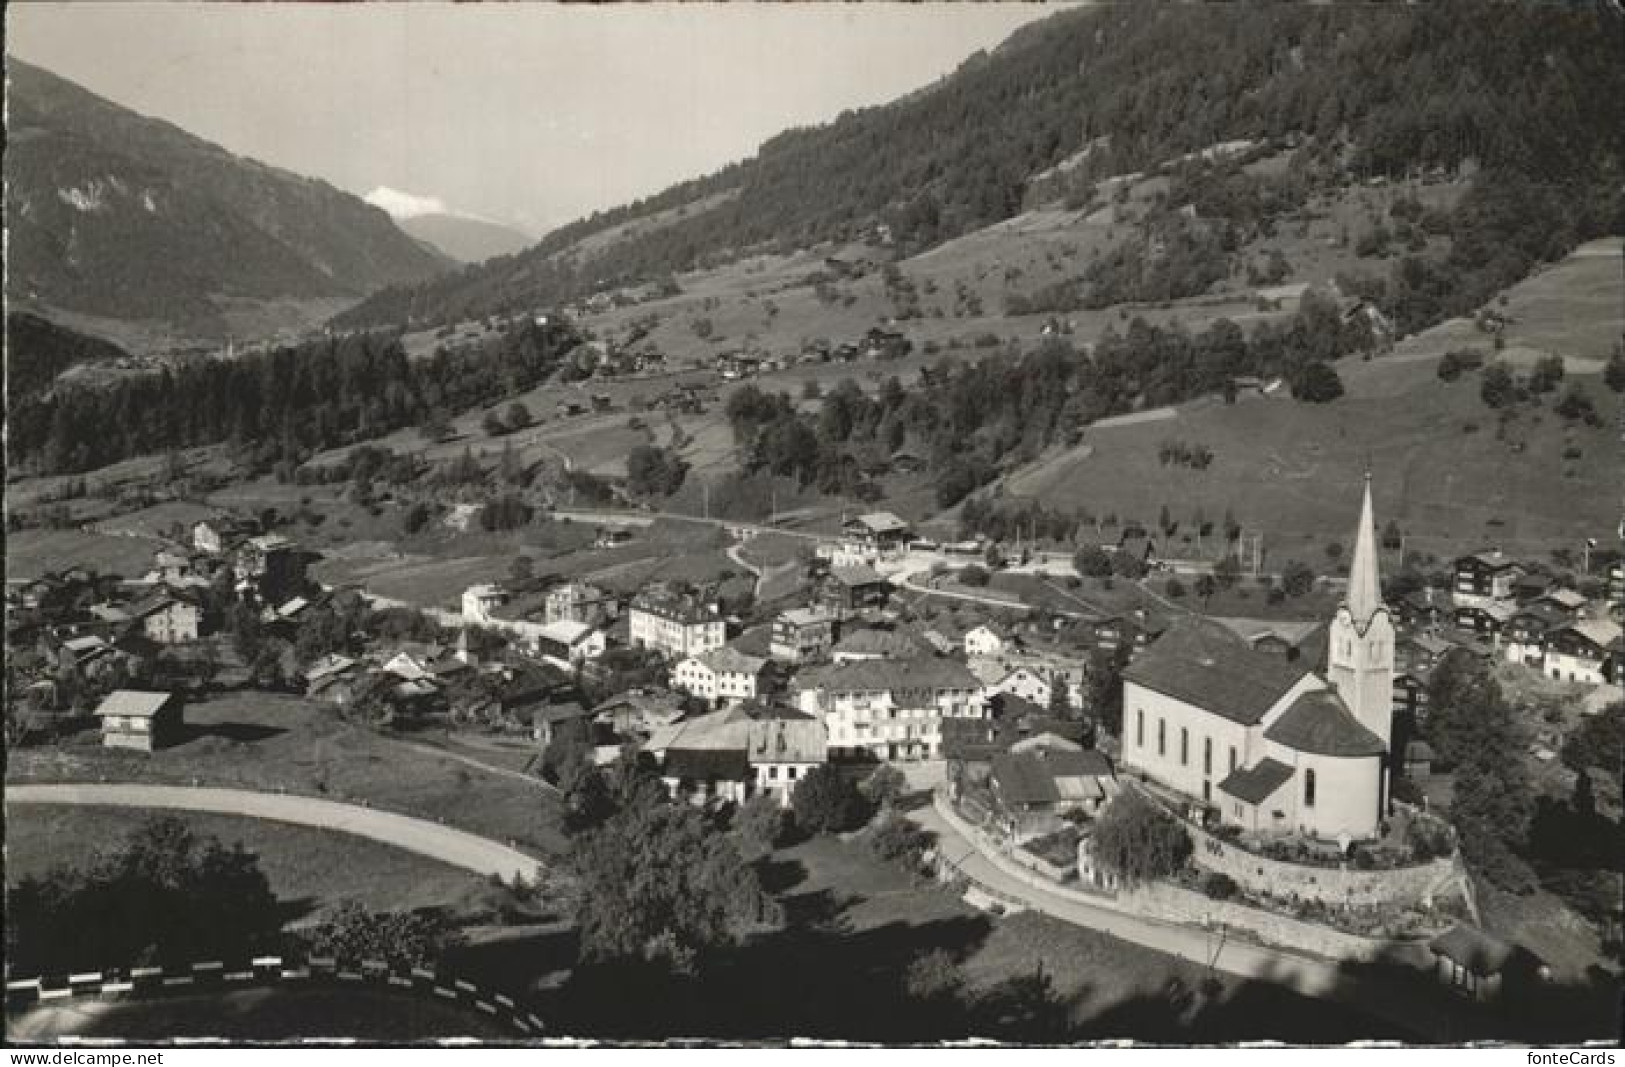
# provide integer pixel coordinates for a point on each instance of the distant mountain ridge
(120, 216)
(465, 239)
(1531, 89)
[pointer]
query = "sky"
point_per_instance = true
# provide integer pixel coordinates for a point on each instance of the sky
(526, 114)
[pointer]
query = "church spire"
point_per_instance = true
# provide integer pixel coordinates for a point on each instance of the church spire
(1364, 595)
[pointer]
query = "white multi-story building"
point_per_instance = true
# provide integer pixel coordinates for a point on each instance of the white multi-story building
(674, 625)
(724, 676)
(890, 709)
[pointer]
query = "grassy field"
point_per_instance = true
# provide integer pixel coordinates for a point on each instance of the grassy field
(309, 870)
(31, 553)
(1295, 469)
(270, 742)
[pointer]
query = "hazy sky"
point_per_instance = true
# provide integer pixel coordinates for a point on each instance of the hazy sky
(527, 113)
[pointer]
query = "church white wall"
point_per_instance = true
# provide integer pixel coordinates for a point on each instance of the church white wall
(1140, 750)
(1346, 794)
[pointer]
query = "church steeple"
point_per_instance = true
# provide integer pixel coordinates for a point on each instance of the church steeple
(1364, 594)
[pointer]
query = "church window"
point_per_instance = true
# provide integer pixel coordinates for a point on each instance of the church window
(1207, 755)
(1139, 729)
(1309, 788)
(1184, 746)
(1232, 757)
(1207, 792)
(1162, 737)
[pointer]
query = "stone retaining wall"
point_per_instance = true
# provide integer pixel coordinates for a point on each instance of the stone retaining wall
(1419, 884)
(1172, 903)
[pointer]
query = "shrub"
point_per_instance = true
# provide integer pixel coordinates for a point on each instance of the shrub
(897, 838)
(826, 801)
(762, 825)
(1219, 886)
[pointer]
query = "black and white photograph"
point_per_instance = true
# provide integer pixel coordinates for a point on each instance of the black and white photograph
(813, 524)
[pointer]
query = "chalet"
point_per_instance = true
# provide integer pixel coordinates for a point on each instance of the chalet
(744, 751)
(1484, 578)
(1290, 641)
(735, 365)
(1531, 585)
(802, 635)
(613, 537)
(874, 642)
(885, 344)
(580, 602)
(989, 640)
(1421, 652)
(1010, 719)
(602, 402)
(221, 535)
(724, 676)
(878, 533)
(1411, 694)
(272, 566)
(1045, 777)
(1422, 609)
(675, 624)
(1471, 961)
(637, 713)
(1523, 635)
(167, 619)
(144, 721)
(570, 408)
(1484, 618)
(567, 644)
(851, 589)
(1587, 651)
(1031, 683)
(1567, 601)
(782, 748)
(890, 709)
(546, 720)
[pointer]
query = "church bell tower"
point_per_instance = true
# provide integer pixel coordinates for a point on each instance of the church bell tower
(1360, 646)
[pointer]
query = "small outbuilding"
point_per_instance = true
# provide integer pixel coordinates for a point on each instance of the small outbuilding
(132, 718)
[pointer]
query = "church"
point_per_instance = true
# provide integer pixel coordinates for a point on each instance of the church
(1273, 745)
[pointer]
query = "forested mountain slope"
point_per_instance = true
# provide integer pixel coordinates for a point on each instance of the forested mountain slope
(1523, 89)
(120, 216)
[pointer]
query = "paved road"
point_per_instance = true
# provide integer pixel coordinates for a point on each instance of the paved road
(905, 579)
(1308, 975)
(456, 847)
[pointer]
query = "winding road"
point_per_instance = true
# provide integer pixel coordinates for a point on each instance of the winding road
(455, 847)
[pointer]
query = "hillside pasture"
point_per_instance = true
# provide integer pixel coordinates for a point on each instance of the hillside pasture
(31, 553)
(1440, 467)
(310, 870)
(280, 743)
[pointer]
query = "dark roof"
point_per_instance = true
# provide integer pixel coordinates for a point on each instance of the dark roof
(875, 675)
(1206, 665)
(1482, 953)
(1322, 724)
(1257, 783)
(858, 577)
(707, 764)
(1029, 777)
(560, 712)
(898, 644)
